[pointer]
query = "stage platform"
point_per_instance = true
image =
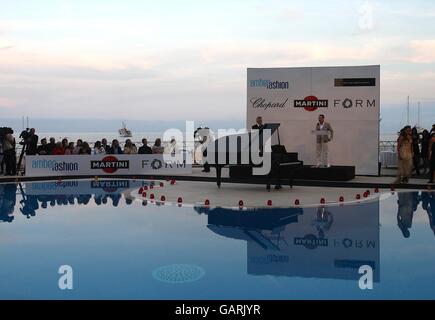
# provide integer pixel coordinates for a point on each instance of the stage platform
(333, 173)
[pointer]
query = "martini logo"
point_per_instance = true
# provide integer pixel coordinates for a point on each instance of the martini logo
(310, 241)
(110, 186)
(110, 164)
(311, 103)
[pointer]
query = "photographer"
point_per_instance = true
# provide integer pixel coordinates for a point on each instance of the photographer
(31, 141)
(9, 154)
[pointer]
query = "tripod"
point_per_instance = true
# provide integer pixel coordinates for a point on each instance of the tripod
(20, 160)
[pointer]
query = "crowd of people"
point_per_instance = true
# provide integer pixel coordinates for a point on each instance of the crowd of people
(415, 152)
(32, 145)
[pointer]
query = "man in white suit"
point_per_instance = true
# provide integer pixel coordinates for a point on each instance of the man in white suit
(323, 137)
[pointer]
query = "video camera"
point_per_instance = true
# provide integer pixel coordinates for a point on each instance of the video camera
(24, 136)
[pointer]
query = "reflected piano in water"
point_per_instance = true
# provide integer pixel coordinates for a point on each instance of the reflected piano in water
(324, 242)
(250, 152)
(247, 224)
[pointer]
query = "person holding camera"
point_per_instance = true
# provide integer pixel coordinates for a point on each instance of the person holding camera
(31, 143)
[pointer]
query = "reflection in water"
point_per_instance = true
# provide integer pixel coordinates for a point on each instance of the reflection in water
(408, 204)
(41, 195)
(324, 242)
(34, 196)
(7, 201)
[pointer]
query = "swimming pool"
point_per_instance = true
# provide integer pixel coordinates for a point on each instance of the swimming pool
(119, 247)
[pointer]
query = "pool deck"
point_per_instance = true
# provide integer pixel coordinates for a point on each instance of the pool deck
(195, 193)
(194, 189)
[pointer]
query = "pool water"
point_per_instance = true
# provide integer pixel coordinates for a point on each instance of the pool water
(119, 247)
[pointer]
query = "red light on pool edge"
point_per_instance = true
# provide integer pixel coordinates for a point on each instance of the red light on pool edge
(341, 199)
(376, 190)
(358, 196)
(152, 196)
(140, 190)
(180, 200)
(144, 194)
(172, 182)
(269, 202)
(162, 198)
(207, 202)
(322, 201)
(145, 188)
(297, 202)
(240, 203)
(161, 184)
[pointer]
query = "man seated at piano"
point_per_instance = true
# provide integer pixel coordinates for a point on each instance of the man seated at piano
(275, 164)
(258, 123)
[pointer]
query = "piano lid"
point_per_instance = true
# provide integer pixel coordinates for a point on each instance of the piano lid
(273, 127)
(239, 142)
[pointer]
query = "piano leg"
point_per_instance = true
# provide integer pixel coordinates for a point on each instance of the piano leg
(218, 176)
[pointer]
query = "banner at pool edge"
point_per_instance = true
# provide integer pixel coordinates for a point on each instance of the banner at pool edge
(104, 165)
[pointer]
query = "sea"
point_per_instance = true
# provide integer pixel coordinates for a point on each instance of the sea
(92, 137)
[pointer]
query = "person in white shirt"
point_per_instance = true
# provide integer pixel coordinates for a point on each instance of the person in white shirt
(323, 137)
(98, 148)
(172, 148)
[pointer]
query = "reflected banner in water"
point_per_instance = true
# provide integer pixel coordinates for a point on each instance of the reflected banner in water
(323, 242)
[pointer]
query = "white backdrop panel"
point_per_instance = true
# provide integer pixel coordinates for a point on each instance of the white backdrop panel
(352, 110)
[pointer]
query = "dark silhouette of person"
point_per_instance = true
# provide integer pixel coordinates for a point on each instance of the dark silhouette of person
(405, 213)
(7, 201)
(430, 209)
(30, 206)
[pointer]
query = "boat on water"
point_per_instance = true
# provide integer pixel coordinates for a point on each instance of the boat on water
(124, 132)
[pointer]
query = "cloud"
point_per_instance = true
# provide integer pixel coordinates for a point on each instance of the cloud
(7, 103)
(423, 51)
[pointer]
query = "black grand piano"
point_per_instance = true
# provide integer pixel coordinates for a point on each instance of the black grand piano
(242, 152)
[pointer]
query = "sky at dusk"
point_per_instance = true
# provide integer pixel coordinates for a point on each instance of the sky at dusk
(154, 60)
